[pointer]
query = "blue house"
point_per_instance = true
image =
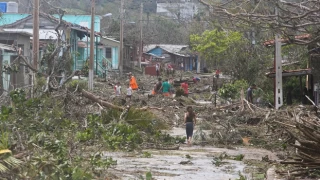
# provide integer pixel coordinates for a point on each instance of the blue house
(111, 52)
(75, 31)
(174, 54)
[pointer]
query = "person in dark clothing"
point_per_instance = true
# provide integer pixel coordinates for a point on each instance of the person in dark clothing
(157, 87)
(250, 93)
(190, 121)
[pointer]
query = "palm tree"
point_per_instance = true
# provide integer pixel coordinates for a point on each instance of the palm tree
(7, 161)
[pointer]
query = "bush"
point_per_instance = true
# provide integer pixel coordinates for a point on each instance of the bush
(232, 90)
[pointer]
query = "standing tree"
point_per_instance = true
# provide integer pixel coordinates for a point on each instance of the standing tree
(213, 44)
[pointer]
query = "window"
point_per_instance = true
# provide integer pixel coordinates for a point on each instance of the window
(108, 53)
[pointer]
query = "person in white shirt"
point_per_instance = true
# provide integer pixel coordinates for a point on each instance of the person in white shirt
(117, 89)
(129, 92)
(158, 70)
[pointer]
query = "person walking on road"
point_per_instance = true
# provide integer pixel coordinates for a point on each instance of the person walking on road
(133, 82)
(117, 89)
(190, 121)
(129, 93)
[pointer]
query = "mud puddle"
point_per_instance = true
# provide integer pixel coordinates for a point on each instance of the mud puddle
(192, 163)
(189, 162)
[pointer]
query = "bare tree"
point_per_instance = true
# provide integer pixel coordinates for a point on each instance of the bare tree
(287, 17)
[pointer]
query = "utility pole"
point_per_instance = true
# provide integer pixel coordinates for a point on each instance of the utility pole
(35, 46)
(121, 40)
(278, 69)
(92, 36)
(141, 43)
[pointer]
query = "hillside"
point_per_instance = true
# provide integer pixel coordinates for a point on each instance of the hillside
(83, 6)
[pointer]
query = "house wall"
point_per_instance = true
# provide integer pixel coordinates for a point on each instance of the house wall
(5, 56)
(20, 78)
(115, 53)
(85, 21)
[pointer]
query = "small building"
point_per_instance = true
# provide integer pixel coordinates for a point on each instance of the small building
(110, 52)
(173, 54)
(311, 73)
(14, 73)
(77, 35)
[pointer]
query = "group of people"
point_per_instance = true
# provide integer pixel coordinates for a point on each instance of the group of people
(163, 87)
(168, 69)
(131, 87)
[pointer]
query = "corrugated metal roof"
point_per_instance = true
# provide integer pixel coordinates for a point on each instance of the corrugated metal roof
(7, 47)
(174, 49)
(16, 32)
(110, 39)
(43, 34)
(53, 19)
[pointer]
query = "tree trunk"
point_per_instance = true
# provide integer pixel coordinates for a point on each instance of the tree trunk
(98, 100)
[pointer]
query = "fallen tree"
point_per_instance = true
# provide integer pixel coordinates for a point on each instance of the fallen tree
(307, 160)
(102, 102)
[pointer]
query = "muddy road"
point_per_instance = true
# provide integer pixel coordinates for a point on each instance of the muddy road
(191, 162)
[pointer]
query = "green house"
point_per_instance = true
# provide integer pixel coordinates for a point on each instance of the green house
(77, 35)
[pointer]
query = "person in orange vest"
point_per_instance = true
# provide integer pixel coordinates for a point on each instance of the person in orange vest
(133, 82)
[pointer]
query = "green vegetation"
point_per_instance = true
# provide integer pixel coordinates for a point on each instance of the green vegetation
(233, 90)
(54, 144)
(213, 43)
(146, 154)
